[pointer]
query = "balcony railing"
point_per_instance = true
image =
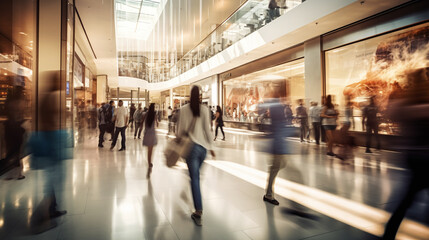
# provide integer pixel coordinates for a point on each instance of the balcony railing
(250, 17)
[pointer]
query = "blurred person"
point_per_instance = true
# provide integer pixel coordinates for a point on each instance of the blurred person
(196, 118)
(138, 118)
(103, 116)
(315, 112)
(369, 116)
(329, 122)
(14, 132)
(91, 114)
(175, 119)
(411, 111)
(302, 116)
(132, 111)
(273, 10)
(289, 114)
(149, 136)
(212, 117)
(120, 118)
(169, 115)
(277, 145)
(322, 129)
(346, 141)
(109, 119)
(49, 146)
(219, 122)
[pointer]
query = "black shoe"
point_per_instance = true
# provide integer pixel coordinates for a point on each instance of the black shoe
(330, 154)
(197, 219)
(111, 147)
(139, 137)
(57, 214)
(368, 151)
(223, 139)
(122, 149)
(272, 201)
(134, 137)
(100, 146)
(214, 139)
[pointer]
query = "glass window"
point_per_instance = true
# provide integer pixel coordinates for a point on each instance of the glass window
(375, 68)
(241, 95)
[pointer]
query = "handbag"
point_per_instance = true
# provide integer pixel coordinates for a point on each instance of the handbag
(179, 147)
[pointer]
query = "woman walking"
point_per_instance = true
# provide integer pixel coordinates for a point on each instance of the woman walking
(149, 137)
(329, 122)
(194, 120)
(219, 122)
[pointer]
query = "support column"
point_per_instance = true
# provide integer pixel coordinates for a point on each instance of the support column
(146, 98)
(102, 88)
(138, 96)
(314, 70)
(51, 58)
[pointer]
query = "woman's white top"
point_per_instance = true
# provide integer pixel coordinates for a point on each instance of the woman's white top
(201, 134)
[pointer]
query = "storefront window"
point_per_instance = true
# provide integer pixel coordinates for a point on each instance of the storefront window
(17, 83)
(375, 68)
(242, 95)
(206, 85)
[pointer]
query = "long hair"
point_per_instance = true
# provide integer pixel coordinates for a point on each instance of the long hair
(195, 101)
(218, 109)
(328, 102)
(150, 115)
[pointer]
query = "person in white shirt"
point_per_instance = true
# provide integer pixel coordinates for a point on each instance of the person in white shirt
(315, 120)
(120, 118)
(198, 115)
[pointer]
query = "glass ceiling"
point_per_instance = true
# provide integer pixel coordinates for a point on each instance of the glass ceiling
(136, 18)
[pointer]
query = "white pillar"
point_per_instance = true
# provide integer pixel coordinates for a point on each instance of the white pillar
(313, 63)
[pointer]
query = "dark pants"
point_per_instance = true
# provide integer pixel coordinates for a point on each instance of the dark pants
(221, 129)
(304, 128)
(139, 127)
(115, 137)
(418, 162)
(316, 129)
(194, 161)
(372, 127)
(103, 128)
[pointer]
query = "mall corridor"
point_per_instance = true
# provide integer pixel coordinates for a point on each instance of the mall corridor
(256, 119)
(110, 194)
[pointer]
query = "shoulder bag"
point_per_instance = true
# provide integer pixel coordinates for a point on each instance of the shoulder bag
(179, 147)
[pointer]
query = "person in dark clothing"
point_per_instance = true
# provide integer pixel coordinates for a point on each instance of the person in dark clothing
(138, 118)
(219, 122)
(301, 114)
(288, 114)
(370, 119)
(102, 122)
(132, 111)
(273, 10)
(412, 113)
(109, 117)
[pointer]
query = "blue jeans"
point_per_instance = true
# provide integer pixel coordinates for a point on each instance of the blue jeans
(194, 161)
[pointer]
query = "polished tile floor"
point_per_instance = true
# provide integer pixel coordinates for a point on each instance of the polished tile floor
(109, 195)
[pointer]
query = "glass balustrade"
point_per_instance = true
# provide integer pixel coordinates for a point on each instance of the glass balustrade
(250, 17)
